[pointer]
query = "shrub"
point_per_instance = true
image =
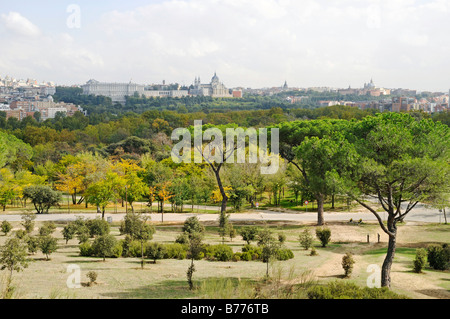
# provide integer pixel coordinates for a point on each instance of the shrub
(6, 227)
(134, 248)
(193, 225)
(284, 254)
(246, 256)
(103, 246)
(254, 251)
(47, 228)
(248, 233)
(182, 239)
(48, 245)
(347, 264)
(155, 251)
(175, 251)
(32, 244)
(347, 290)
(28, 222)
(439, 256)
(420, 260)
(97, 227)
(281, 238)
(20, 234)
(117, 250)
(324, 235)
(236, 256)
(92, 276)
(313, 252)
(85, 249)
(306, 239)
(223, 253)
(68, 232)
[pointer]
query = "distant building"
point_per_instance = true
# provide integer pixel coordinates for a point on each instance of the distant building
(116, 91)
(213, 89)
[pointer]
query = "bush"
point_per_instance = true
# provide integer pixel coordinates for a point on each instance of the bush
(346, 290)
(313, 252)
(48, 245)
(223, 253)
(32, 244)
(347, 264)
(155, 251)
(47, 228)
(420, 261)
(6, 227)
(134, 248)
(281, 238)
(306, 239)
(249, 233)
(175, 251)
(284, 254)
(182, 239)
(439, 256)
(85, 249)
(193, 225)
(246, 256)
(97, 227)
(324, 235)
(92, 276)
(117, 250)
(103, 246)
(254, 251)
(236, 256)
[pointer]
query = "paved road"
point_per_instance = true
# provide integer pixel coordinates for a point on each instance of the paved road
(419, 214)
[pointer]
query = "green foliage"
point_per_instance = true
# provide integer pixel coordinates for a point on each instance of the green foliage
(92, 276)
(248, 233)
(68, 232)
(219, 252)
(28, 222)
(306, 239)
(42, 197)
(97, 227)
(6, 227)
(420, 260)
(281, 238)
(313, 252)
(250, 252)
(324, 235)
(155, 251)
(439, 256)
(13, 255)
(103, 246)
(175, 251)
(48, 245)
(346, 290)
(284, 254)
(347, 264)
(193, 225)
(85, 249)
(47, 228)
(182, 239)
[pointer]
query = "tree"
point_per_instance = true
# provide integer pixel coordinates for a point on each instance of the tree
(6, 227)
(48, 245)
(192, 225)
(68, 232)
(194, 250)
(324, 235)
(306, 239)
(28, 222)
(402, 161)
(42, 197)
(248, 233)
(103, 246)
(13, 256)
(347, 264)
(155, 251)
(104, 191)
(269, 246)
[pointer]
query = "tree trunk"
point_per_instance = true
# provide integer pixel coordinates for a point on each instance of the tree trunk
(332, 201)
(445, 216)
(142, 255)
(320, 201)
(386, 269)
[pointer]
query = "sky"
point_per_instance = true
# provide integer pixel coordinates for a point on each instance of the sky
(249, 43)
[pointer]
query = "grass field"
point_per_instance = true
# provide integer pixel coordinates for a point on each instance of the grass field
(123, 278)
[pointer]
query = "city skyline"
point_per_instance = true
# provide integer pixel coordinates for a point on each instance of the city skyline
(253, 44)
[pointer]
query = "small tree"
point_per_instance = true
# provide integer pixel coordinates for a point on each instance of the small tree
(269, 247)
(420, 260)
(13, 256)
(47, 228)
(155, 251)
(248, 233)
(68, 232)
(97, 227)
(92, 276)
(192, 225)
(42, 197)
(6, 227)
(48, 245)
(103, 246)
(28, 222)
(306, 239)
(324, 235)
(194, 250)
(281, 238)
(347, 264)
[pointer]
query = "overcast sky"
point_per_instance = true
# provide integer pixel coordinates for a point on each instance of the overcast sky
(250, 43)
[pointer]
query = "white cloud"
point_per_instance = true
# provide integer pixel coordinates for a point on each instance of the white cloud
(18, 24)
